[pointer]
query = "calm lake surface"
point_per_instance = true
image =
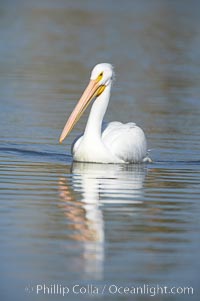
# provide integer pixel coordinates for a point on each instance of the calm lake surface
(82, 224)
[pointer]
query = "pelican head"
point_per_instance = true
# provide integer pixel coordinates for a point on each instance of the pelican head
(103, 72)
(101, 77)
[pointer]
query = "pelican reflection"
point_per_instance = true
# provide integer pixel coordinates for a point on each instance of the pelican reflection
(85, 197)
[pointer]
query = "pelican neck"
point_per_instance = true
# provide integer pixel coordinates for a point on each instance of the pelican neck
(97, 112)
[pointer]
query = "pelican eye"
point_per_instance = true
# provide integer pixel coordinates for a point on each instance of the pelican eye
(100, 76)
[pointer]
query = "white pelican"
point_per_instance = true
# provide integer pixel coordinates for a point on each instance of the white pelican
(115, 143)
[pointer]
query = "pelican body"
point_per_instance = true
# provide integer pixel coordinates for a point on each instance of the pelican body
(114, 143)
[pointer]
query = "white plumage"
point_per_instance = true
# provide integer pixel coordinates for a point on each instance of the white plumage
(115, 143)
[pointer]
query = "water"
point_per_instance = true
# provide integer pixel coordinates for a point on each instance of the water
(81, 224)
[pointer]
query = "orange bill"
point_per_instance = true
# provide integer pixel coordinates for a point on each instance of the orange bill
(93, 89)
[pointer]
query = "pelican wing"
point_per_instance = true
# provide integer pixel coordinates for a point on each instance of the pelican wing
(126, 141)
